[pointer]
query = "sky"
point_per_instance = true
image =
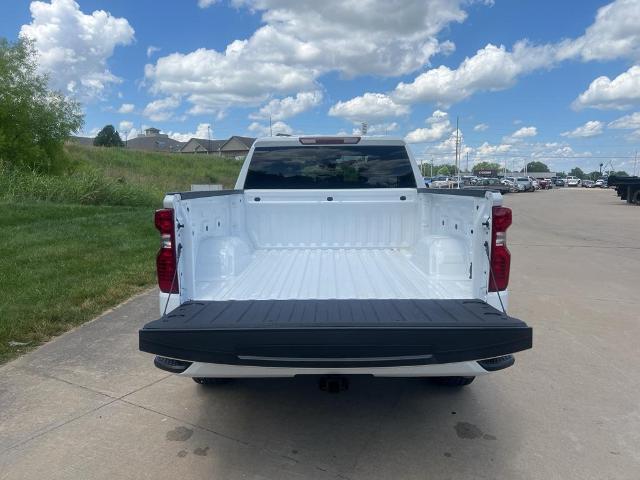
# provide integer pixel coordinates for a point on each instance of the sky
(541, 80)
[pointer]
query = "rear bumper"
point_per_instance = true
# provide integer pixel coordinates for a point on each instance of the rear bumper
(217, 370)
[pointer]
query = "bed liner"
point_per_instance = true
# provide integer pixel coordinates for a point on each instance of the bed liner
(335, 333)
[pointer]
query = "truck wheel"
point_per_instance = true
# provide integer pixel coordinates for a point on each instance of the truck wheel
(212, 381)
(453, 381)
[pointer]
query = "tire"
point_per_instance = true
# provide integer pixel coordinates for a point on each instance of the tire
(212, 381)
(453, 381)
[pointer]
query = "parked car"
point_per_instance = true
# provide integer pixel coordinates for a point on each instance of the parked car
(601, 183)
(306, 268)
(573, 182)
(441, 181)
(560, 182)
(493, 184)
(588, 183)
(544, 184)
(518, 187)
(526, 182)
(534, 182)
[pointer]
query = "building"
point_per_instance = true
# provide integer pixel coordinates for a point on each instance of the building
(236, 147)
(203, 145)
(154, 141)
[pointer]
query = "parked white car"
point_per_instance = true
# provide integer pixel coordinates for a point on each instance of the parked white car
(573, 182)
(330, 258)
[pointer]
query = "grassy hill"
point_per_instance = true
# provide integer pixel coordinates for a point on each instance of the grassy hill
(78, 244)
(156, 173)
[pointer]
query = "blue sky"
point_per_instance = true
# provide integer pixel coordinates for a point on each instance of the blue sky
(548, 80)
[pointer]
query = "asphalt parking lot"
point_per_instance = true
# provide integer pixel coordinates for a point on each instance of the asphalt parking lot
(88, 405)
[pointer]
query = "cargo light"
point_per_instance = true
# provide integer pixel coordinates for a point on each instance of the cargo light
(500, 255)
(329, 140)
(166, 258)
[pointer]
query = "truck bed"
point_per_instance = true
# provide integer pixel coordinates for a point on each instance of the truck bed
(335, 333)
(324, 273)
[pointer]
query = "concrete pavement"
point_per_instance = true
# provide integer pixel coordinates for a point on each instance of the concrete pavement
(89, 405)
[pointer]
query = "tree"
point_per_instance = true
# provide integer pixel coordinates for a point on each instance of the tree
(108, 137)
(621, 173)
(577, 172)
(485, 166)
(595, 175)
(444, 170)
(537, 167)
(34, 121)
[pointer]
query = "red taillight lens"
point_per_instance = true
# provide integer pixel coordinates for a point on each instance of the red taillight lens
(166, 258)
(500, 255)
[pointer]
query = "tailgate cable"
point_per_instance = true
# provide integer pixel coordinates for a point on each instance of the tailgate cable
(173, 280)
(486, 249)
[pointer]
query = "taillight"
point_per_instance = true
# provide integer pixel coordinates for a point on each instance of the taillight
(500, 255)
(166, 258)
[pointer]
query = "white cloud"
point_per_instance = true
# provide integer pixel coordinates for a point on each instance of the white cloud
(212, 81)
(617, 94)
(614, 34)
(378, 129)
(206, 3)
(444, 151)
(491, 68)
(486, 150)
(481, 127)
(151, 49)
(439, 126)
(125, 126)
(302, 40)
(262, 130)
(590, 129)
(521, 133)
(202, 131)
(368, 107)
(283, 108)
(126, 108)
(74, 48)
(161, 110)
(375, 129)
(627, 122)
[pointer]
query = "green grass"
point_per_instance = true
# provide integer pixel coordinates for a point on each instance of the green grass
(87, 187)
(155, 173)
(64, 264)
(77, 244)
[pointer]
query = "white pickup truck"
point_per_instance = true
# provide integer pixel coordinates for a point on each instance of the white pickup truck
(329, 258)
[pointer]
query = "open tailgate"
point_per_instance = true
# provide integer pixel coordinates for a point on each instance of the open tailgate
(336, 333)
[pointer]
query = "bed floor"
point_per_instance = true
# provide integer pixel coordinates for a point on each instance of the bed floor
(315, 273)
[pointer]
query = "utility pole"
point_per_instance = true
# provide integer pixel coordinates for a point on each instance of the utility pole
(467, 162)
(457, 150)
(364, 127)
